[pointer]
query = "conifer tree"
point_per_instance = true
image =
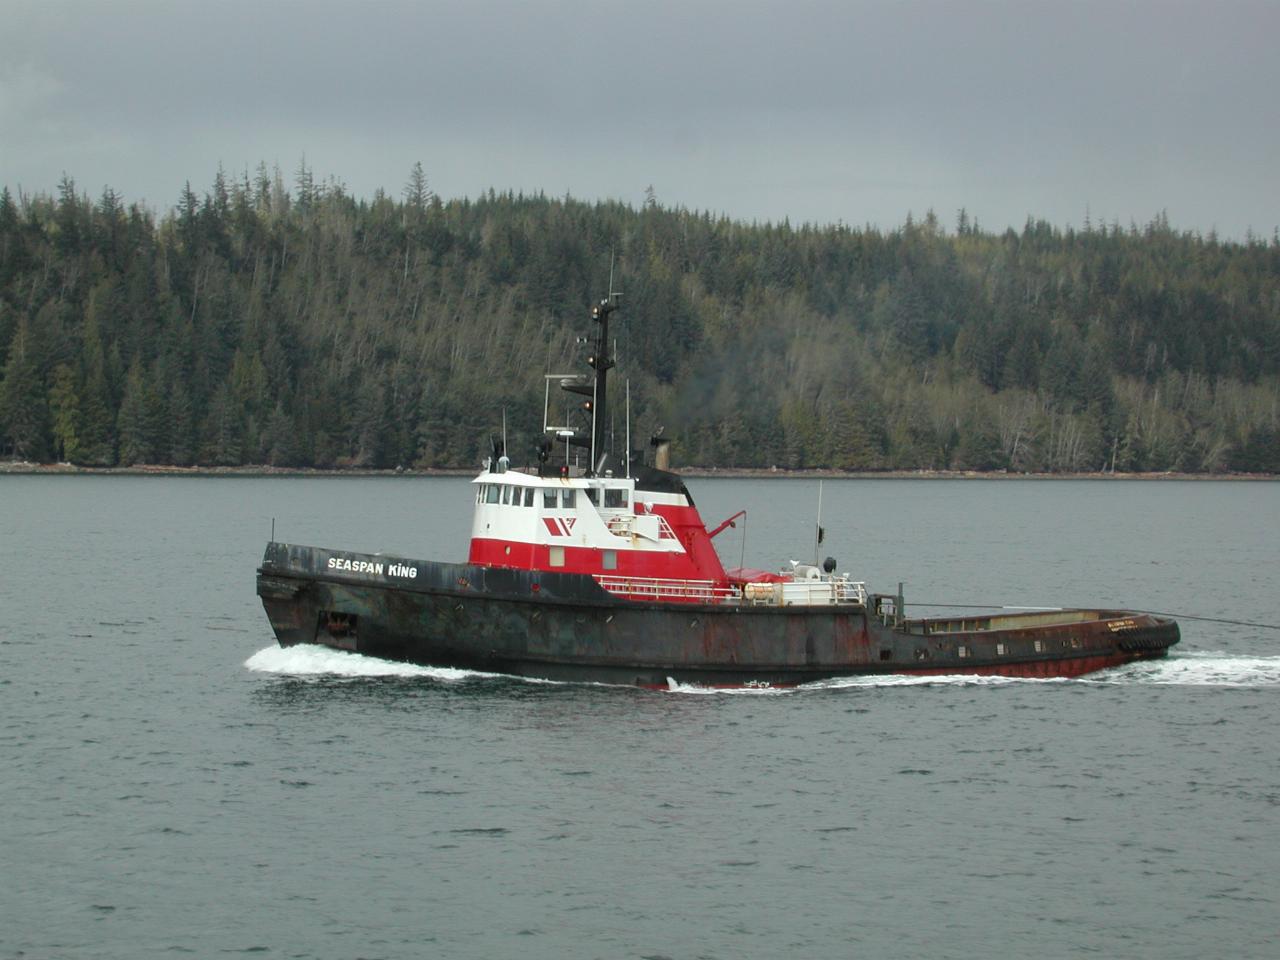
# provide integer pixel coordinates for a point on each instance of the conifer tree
(10, 242)
(417, 195)
(181, 425)
(281, 440)
(134, 426)
(24, 427)
(64, 404)
(222, 430)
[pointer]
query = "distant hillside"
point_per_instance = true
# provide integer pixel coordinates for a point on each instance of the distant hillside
(259, 324)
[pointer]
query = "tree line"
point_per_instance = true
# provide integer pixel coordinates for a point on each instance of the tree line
(260, 322)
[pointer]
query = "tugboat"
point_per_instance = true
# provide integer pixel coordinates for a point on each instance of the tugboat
(587, 569)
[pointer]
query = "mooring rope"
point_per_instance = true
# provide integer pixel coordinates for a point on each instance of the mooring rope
(1154, 613)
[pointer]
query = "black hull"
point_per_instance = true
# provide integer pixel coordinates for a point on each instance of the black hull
(566, 627)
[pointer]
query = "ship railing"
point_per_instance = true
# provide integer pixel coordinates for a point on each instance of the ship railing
(659, 588)
(851, 591)
(807, 593)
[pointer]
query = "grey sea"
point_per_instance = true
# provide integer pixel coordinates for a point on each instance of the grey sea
(172, 783)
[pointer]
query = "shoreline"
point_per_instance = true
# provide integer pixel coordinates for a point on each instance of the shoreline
(23, 468)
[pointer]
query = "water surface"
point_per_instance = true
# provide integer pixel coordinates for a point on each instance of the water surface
(174, 783)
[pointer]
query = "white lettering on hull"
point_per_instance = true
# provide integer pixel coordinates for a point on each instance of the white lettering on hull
(373, 567)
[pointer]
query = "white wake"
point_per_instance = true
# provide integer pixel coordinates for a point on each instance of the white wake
(1195, 668)
(315, 661)
(1192, 669)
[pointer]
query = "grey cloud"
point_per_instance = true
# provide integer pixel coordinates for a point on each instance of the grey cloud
(812, 111)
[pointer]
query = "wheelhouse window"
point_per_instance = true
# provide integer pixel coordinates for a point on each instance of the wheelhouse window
(549, 499)
(506, 495)
(568, 500)
(528, 496)
(491, 493)
(593, 495)
(615, 498)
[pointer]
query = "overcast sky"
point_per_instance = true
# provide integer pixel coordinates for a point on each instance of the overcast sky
(813, 111)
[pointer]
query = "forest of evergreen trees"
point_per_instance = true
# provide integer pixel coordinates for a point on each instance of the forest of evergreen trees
(296, 325)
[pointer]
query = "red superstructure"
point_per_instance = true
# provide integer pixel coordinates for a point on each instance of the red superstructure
(608, 527)
(639, 534)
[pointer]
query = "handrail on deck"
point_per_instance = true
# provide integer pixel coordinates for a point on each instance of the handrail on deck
(659, 588)
(790, 593)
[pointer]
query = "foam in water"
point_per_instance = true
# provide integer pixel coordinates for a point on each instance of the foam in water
(914, 680)
(751, 690)
(1198, 669)
(1203, 669)
(311, 660)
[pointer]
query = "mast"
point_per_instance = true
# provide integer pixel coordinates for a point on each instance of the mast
(594, 387)
(600, 361)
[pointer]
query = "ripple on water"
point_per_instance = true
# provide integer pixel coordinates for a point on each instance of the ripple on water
(167, 791)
